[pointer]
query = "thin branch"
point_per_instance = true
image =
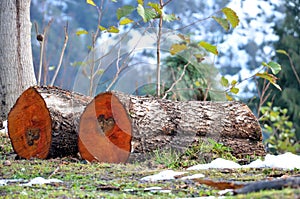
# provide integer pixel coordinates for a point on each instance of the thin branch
(94, 38)
(61, 55)
(293, 68)
(123, 66)
(178, 80)
(118, 69)
(158, 52)
(41, 38)
(166, 3)
(206, 91)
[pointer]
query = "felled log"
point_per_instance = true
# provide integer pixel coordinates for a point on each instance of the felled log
(44, 122)
(115, 126)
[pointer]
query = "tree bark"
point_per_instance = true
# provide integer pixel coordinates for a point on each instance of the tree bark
(44, 122)
(16, 66)
(115, 123)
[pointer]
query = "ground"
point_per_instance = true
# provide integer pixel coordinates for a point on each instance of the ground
(81, 179)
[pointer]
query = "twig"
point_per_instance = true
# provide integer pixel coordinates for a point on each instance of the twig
(94, 38)
(176, 82)
(159, 35)
(54, 172)
(123, 66)
(118, 69)
(61, 55)
(293, 68)
(41, 38)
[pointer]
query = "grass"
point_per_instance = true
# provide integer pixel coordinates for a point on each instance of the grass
(102, 180)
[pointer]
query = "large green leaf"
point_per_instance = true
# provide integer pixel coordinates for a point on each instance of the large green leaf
(146, 13)
(207, 46)
(124, 11)
(275, 67)
(176, 48)
(223, 22)
(231, 16)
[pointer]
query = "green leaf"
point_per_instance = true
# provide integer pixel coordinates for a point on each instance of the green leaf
(211, 48)
(187, 39)
(124, 11)
(113, 29)
(197, 83)
(234, 90)
(231, 16)
(275, 67)
(91, 2)
(156, 7)
(102, 28)
(282, 52)
(169, 18)
(228, 97)
(271, 78)
(81, 32)
(223, 22)
(141, 2)
(224, 81)
(176, 48)
(147, 14)
(125, 21)
(199, 57)
(233, 82)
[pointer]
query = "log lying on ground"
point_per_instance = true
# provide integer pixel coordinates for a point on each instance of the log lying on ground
(44, 122)
(115, 124)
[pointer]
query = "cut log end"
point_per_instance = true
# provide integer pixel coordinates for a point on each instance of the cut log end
(105, 130)
(29, 125)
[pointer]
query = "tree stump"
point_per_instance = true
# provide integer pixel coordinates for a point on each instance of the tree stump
(44, 122)
(115, 126)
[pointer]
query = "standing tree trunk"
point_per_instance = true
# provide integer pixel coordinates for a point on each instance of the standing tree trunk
(16, 66)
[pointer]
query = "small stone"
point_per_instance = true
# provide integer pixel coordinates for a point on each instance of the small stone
(7, 163)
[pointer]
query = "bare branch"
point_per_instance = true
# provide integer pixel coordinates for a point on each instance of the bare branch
(41, 38)
(94, 38)
(159, 35)
(178, 80)
(61, 55)
(293, 68)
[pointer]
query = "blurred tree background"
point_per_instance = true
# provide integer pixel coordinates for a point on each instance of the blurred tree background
(265, 26)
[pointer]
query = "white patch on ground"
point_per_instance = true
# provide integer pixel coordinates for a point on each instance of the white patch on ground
(40, 181)
(34, 181)
(195, 176)
(284, 161)
(163, 175)
(218, 163)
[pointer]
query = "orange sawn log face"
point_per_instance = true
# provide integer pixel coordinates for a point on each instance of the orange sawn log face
(105, 130)
(29, 125)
